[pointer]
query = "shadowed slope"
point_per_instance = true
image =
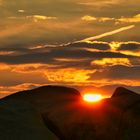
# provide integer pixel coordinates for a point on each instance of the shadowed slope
(21, 113)
(20, 121)
(124, 98)
(121, 91)
(129, 103)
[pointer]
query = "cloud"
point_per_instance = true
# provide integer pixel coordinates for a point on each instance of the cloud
(21, 11)
(6, 53)
(28, 27)
(123, 19)
(107, 34)
(112, 62)
(62, 64)
(69, 75)
(49, 55)
(99, 19)
(131, 48)
(102, 3)
(97, 45)
(73, 55)
(134, 19)
(30, 68)
(88, 18)
(116, 75)
(7, 90)
(4, 66)
(37, 18)
(118, 72)
(68, 64)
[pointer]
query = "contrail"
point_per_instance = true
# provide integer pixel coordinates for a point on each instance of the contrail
(107, 34)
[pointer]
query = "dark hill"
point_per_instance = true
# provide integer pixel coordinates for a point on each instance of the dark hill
(54, 112)
(124, 98)
(21, 114)
(121, 91)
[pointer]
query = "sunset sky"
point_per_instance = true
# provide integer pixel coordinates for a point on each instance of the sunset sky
(88, 44)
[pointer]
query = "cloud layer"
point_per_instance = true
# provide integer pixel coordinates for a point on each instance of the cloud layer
(39, 43)
(76, 64)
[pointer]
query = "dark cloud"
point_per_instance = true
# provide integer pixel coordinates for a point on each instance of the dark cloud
(131, 46)
(94, 45)
(49, 54)
(118, 72)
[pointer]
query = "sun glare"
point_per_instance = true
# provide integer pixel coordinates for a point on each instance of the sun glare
(91, 98)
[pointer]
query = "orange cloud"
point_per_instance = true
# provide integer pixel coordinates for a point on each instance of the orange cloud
(115, 45)
(6, 53)
(133, 19)
(112, 62)
(21, 11)
(4, 66)
(69, 75)
(131, 53)
(70, 60)
(37, 18)
(106, 82)
(26, 68)
(88, 18)
(99, 4)
(92, 18)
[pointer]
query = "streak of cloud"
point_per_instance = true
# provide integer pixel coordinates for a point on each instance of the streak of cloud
(89, 39)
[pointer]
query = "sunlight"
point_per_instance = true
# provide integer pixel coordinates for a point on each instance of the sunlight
(90, 97)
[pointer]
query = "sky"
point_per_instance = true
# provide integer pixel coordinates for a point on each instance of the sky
(92, 45)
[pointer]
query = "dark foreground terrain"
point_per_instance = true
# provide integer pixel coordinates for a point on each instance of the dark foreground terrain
(59, 113)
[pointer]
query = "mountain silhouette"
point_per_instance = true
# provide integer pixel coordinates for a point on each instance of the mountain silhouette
(59, 113)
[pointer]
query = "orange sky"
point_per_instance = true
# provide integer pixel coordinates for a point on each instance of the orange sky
(87, 44)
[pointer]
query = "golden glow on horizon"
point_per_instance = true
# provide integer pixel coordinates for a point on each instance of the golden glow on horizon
(91, 98)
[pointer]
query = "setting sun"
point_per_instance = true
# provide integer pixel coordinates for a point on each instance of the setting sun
(89, 97)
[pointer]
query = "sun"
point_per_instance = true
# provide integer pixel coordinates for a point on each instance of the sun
(92, 98)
